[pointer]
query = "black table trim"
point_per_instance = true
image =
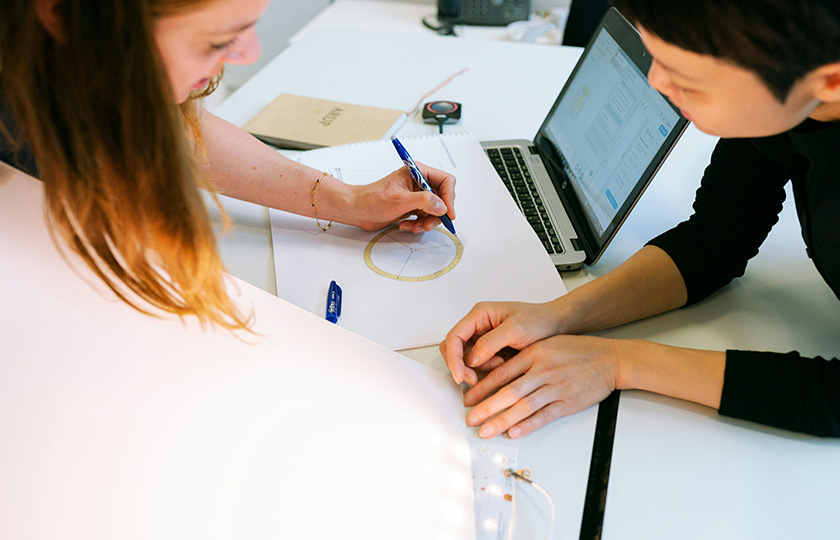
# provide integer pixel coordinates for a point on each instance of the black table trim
(599, 469)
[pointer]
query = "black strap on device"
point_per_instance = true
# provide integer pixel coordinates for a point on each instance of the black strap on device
(444, 27)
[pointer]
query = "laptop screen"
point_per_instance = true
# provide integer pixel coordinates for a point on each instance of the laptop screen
(609, 129)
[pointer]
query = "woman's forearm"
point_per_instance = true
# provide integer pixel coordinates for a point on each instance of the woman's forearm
(242, 167)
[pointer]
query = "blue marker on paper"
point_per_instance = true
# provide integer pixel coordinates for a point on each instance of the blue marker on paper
(419, 179)
(334, 302)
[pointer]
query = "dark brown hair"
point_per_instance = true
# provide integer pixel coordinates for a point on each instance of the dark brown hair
(779, 40)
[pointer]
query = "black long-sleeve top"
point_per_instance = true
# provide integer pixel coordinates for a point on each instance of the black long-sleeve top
(737, 204)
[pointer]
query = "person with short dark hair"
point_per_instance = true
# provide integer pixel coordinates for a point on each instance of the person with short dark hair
(765, 76)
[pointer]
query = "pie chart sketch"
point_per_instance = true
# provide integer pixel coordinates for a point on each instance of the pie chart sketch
(404, 256)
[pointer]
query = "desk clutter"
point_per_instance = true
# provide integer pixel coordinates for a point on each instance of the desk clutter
(389, 272)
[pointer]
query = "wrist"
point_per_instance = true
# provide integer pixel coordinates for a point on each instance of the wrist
(570, 313)
(629, 370)
(334, 200)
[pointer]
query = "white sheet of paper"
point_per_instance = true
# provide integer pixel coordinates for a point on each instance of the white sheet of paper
(502, 258)
(116, 424)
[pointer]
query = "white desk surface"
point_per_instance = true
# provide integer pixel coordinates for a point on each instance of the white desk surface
(354, 66)
(678, 470)
(120, 425)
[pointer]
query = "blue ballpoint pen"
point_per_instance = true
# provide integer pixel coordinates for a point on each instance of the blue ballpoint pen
(419, 178)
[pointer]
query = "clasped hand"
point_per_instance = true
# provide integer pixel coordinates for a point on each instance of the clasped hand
(532, 376)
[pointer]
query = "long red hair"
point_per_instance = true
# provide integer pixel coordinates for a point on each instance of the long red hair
(121, 165)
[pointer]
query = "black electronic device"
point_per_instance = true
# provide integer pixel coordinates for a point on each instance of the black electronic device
(441, 112)
(483, 12)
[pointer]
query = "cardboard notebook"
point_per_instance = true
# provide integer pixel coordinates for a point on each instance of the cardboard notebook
(304, 123)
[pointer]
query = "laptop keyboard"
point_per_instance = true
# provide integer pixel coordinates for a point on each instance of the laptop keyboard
(510, 165)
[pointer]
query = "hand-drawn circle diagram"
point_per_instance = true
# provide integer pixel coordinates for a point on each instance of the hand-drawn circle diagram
(405, 256)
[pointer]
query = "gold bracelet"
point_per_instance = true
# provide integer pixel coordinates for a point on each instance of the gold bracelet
(315, 210)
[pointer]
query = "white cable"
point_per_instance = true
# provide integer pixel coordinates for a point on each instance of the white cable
(551, 504)
(526, 478)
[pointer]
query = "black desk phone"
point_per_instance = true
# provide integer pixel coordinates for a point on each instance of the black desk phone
(483, 12)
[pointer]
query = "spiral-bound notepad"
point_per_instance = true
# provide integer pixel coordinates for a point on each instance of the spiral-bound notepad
(404, 290)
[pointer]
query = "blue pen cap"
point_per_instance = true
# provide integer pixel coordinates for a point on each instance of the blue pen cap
(333, 302)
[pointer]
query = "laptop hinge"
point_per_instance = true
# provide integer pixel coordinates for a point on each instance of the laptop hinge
(576, 244)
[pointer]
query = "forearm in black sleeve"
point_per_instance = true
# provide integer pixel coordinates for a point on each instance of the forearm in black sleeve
(783, 390)
(737, 204)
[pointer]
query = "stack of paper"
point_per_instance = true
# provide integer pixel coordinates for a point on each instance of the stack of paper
(496, 255)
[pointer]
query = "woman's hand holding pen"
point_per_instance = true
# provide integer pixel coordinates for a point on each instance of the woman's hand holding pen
(396, 197)
(242, 167)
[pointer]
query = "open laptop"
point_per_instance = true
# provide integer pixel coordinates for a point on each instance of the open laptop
(597, 150)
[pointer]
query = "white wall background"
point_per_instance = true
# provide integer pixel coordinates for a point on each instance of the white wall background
(281, 20)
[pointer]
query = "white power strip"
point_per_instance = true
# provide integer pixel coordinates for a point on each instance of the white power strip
(493, 489)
